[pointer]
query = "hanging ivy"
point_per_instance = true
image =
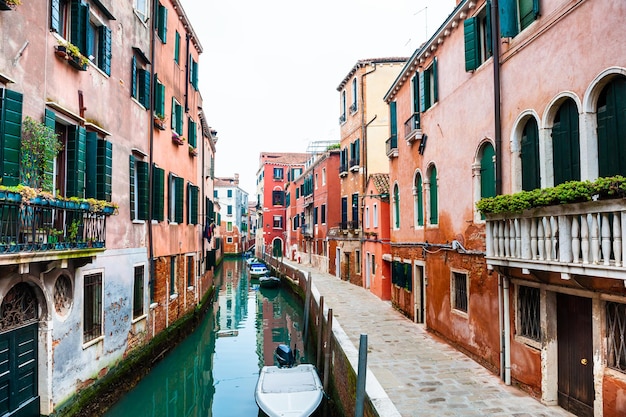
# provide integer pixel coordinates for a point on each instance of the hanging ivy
(39, 146)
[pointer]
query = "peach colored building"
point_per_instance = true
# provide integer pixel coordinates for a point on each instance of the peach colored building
(471, 126)
(377, 272)
(364, 127)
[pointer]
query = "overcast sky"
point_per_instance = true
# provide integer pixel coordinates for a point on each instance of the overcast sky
(269, 70)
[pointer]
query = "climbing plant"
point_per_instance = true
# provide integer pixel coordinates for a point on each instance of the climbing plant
(39, 146)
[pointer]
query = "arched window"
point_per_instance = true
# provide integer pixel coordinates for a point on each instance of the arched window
(566, 144)
(612, 129)
(434, 211)
(419, 200)
(530, 156)
(18, 307)
(396, 207)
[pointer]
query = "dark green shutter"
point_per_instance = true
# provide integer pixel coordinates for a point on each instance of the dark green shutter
(177, 47)
(530, 156)
(508, 18)
(210, 209)
(10, 135)
(55, 16)
(396, 207)
(158, 193)
(194, 78)
(159, 97)
(79, 25)
(566, 144)
(133, 78)
(142, 190)
(179, 118)
(104, 170)
(612, 129)
(176, 193)
(104, 50)
(420, 200)
(48, 181)
(416, 93)
(423, 104)
(434, 204)
(435, 75)
(528, 10)
(191, 132)
(488, 39)
(144, 87)
(162, 23)
(76, 146)
(393, 119)
(91, 174)
(472, 43)
(192, 202)
(487, 172)
(131, 199)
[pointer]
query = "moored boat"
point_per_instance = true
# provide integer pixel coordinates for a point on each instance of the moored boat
(269, 281)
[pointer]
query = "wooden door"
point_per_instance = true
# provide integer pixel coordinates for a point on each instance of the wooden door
(575, 354)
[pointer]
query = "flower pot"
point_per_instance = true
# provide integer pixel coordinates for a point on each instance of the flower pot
(108, 210)
(159, 124)
(84, 206)
(75, 62)
(61, 52)
(5, 6)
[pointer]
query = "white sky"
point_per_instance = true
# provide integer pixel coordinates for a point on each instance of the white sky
(270, 69)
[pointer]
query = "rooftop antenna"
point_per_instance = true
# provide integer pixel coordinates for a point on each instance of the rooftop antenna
(425, 10)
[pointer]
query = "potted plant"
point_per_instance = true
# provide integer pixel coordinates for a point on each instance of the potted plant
(72, 54)
(177, 139)
(9, 4)
(192, 150)
(160, 121)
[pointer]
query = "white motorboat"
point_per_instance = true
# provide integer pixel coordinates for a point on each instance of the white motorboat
(258, 270)
(288, 390)
(269, 281)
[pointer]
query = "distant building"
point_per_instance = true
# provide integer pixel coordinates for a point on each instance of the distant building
(234, 214)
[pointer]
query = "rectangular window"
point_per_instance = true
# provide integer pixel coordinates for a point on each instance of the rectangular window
(373, 266)
(176, 199)
(323, 176)
(460, 296)
(278, 198)
(229, 193)
(215, 194)
(138, 292)
(314, 215)
(92, 309)
(323, 214)
(192, 203)
(342, 117)
(161, 23)
(229, 239)
(193, 73)
(177, 47)
(428, 86)
(401, 275)
(357, 261)
(138, 189)
(140, 83)
(528, 302)
(177, 117)
(616, 334)
(278, 173)
(158, 193)
(477, 32)
(190, 271)
(517, 15)
(229, 210)
(191, 132)
(353, 106)
(229, 226)
(172, 275)
(355, 210)
(367, 217)
(159, 100)
(278, 222)
(141, 8)
(375, 215)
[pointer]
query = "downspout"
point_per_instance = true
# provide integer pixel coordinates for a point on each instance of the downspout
(155, 10)
(364, 127)
(507, 331)
(501, 326)
(495, 44)
(187, 59)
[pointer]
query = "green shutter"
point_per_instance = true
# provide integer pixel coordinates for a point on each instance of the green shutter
(472, 43)
(508, 18)
(530, 156)
(416, 94)
(158, 193)
(192, 203)
(179, 118)
(177, 47)
(393, 119)
(104, 50)
(79, 25)
(191, 132)
(566, 144)
(104, 170)
(420, 201)
(434, 204)
(528, 11)
(422, 81)
(91, 174)
(396, 207)
(162, 23)
(89, 40)
(435, 75)
(159, 97)
(76, 147)
(131, 180)
(55, 16)
(487, 172)
(488, 38)
(10, 135)
(194, 78)
(179, 201)
(142, 190)
(133, 78)
(144, 87)
(47, 184)
(612, 129)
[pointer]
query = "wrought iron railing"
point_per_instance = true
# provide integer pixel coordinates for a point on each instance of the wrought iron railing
(412, 126)
(392, 146)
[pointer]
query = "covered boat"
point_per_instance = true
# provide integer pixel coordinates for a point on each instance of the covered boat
(288, 390)
(269, 281)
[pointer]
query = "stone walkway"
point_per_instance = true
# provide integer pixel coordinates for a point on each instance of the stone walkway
(410, 372)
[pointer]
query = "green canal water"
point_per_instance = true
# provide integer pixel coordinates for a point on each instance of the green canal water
(214, 371)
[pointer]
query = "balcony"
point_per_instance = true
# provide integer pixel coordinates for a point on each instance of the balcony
(354, 164)
(392, 146)
(40, 229)
(412, 128)
(580, 238)
(352, 226)
(343, 169)
(342, 119)
(307, 230)
(353, 108)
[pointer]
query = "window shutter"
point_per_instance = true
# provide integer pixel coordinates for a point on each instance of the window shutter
(158, 193)
(192, 198)
(55, 16)
(191, 132)
(179, 201)
(173, 116)
(91, 173)
(210, 210)
(434, 204)
(488, 38)
(423, 91)
(10, 135)
(508, 18)
(177, 47)
(159, 97)
(48, 180)
(420, 201)
(487, 172)
(530, 156)
(142, 190)
(144, 87)
(76, 146)
(162, 23)
(179, 118)
(194, 79)
(79, 25)
(89, 40)
(393, 118)
(416, 94)
(435, 75)
(104, 50)
(133, 78)
(104, 170)
(472, 47)
(132, 175)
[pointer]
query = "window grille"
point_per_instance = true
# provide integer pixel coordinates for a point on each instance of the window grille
(138, 292)
(616, 335)
(93, 307)
(528, 311)
(460, 291)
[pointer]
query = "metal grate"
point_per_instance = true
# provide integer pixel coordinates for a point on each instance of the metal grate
(460, 291)
(18, 307)
(616, 333)
(62, 295)
(528, 311)
(93, 307)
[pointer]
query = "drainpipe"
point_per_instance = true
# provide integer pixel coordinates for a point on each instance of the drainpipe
(364, 127)
(187, 59)
(501, 326)
(495, 44)
(507, 331)
(152, 272)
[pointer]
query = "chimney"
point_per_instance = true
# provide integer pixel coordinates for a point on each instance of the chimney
(236, 179)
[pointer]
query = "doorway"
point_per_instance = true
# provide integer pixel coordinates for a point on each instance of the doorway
(419, 291)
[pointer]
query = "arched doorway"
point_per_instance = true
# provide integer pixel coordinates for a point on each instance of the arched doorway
(277, 248)
(19, 320)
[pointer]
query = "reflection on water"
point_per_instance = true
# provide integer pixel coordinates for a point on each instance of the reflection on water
(214, 371)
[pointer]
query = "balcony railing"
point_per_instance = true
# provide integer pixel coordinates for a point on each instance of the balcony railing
(354, 164)
(307, 230)
(342, 119)
(412, 128)
(343, 169)
(582, 238)
(392, 146)
(349, 225)
(50, 225)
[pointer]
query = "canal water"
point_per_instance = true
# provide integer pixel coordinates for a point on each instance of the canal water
(214, 371)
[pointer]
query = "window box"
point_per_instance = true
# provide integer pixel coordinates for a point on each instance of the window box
(159, 122)
(72, 55)
(193, 151)
(179, 140)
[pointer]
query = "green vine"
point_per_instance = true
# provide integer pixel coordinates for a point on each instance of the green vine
(569, 192)
(39, 146)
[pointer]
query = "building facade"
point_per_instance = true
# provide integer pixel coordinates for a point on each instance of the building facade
(364, 127)
(95, 286)
(234, 214)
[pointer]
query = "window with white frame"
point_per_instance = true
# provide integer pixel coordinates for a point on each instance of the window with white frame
(278, 222)
(373, 266)
(354, 106)
(323, 176)
(357, 261)
(367, 216)
(375, 215)
(142, 9)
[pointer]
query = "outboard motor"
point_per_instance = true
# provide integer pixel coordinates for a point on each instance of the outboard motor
(284, 356)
